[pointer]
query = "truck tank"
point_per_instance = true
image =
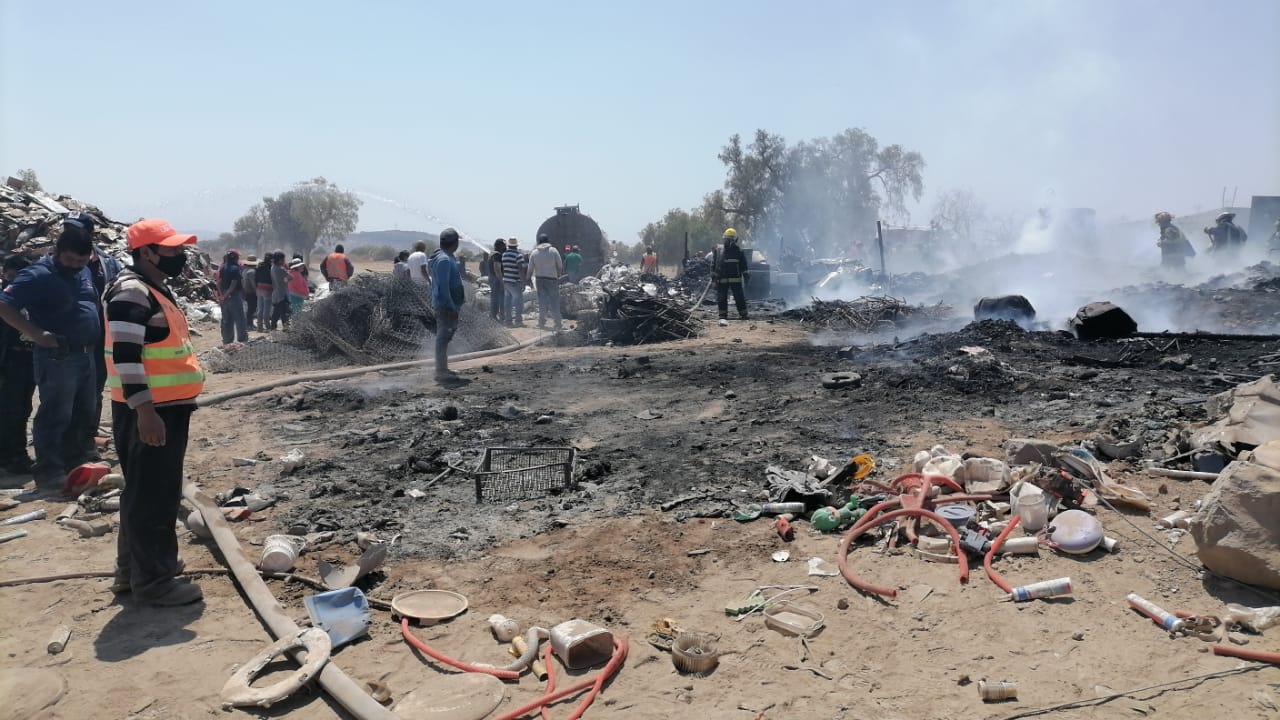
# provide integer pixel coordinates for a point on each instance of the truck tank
(570, 226)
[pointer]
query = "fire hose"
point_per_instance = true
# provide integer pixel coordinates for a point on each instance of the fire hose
(842, 559)
(995, 548)
(620, 647)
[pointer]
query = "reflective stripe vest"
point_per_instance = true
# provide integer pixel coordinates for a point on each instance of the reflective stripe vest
(335, 266)
(173, 371)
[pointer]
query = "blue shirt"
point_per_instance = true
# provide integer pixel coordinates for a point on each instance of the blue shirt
(60, 304)
(446, 282)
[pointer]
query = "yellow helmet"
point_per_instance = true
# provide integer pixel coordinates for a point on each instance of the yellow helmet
(730, 234)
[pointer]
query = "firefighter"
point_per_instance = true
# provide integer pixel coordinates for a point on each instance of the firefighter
(1226, 237)
(1174, 246)
(731, 275)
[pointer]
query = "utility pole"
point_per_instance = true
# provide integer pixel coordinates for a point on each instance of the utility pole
(880, 242)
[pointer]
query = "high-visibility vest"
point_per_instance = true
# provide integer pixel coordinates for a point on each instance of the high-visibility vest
(173, 371)
(335, 266)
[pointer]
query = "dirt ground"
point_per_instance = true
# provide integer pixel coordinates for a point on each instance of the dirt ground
(696, 422)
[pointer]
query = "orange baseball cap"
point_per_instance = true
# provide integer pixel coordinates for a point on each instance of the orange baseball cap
(154, 231)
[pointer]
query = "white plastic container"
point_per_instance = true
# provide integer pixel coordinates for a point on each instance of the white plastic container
(1031, 504)
(504, 628)
(280, 552)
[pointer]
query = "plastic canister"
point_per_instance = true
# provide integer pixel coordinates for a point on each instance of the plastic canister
(580, 644)
(958, 514)
(1021, 546)
(992, 691)
(1076, 532)
(1032, 505)
(280, 552)
(504, 628)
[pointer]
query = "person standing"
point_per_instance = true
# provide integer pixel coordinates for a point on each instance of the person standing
(61, 318)
(155, 378)
(299, 291)
(337, 268)
(17, 384)
(731, 275)
(1226, 238)
(499, 309)
(262, 289)
(235, 327)
(1174, 246)
(279, 292)
(546, 267)
(400, 268)
(515, 275)
(447, 299)
(103, 268)
(418, 265)
(649, 261)
(248, 290)
(573, 264)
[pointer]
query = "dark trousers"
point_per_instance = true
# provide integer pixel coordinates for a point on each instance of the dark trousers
(17, 387)
(739, 299)
(498, 307)
(251, 308)
(280, 314)
(147, 544)
(63, 429)
(446, 326)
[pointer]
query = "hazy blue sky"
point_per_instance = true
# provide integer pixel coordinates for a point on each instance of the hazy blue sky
(488, 114)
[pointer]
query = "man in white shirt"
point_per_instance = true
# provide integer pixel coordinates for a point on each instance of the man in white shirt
(417, 263)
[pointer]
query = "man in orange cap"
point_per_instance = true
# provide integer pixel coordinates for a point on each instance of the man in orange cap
(154, 378)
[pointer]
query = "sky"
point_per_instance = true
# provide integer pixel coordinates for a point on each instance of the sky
(488, 115)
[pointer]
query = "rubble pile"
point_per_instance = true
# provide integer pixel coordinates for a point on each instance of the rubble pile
(31, 220)
(866, 314)
(631, 316)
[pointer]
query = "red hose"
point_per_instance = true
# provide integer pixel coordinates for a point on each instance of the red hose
(1243, 654)
(933, 479)
(842, 558)
(995, 547)
(551, 680)
(620, 647)
(417, 644)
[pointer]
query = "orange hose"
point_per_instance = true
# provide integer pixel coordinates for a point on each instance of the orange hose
(933, 480)
(620, 647)
(995, 547)
(1243, 654)
(414, 642)
(551, 680)
(842, 557)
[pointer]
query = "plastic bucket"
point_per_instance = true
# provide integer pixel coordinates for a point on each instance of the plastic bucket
(280, 552)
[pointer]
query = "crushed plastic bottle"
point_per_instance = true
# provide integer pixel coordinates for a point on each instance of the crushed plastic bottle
(1255, 619)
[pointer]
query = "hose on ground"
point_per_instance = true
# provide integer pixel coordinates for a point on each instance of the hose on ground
(995, 548)
(1246, 654)
(208, 400)
(842, 558)
(438, 656)
(551, 680)
(620, 647)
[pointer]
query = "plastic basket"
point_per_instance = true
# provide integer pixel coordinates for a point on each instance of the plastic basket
(514, 473)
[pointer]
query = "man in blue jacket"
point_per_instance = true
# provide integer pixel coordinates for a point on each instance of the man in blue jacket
(447, 298)
(62, 320)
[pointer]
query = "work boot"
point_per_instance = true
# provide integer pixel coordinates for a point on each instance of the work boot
(175, 593)
(121, 582)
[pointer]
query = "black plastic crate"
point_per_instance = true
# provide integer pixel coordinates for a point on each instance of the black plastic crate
(515, 473)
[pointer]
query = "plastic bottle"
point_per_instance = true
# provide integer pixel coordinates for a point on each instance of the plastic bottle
(504, 628)
(25, 517)
(779, 508)
(991, 691)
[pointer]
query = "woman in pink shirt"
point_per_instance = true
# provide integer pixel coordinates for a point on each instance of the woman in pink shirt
(298, 290)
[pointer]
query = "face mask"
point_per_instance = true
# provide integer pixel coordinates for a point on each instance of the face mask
(171, 265)
(66, 271)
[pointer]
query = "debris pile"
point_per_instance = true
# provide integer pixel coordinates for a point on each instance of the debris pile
(866, 314)
(31, 221)
(630, 316)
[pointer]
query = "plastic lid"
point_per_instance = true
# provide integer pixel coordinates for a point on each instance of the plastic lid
(958, 514)
(1076, 532)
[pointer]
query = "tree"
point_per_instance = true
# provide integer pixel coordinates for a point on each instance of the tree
(29, 180)
(823, 192)
(958, 215)
(253, 230)
(286, 231)
(324, 212)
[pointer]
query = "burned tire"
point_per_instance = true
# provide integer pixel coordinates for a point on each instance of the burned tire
(841, 380)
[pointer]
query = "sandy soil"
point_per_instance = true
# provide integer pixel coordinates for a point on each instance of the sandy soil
(730, 403)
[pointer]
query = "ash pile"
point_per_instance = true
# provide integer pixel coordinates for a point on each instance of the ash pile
(30, 222)
(373, 319)
(623, 306)
(867, 314)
